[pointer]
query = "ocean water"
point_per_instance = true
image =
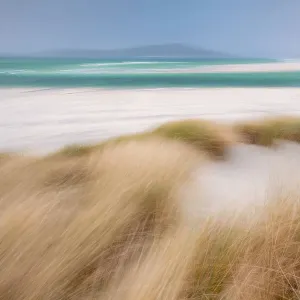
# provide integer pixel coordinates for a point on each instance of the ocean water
(140, 73)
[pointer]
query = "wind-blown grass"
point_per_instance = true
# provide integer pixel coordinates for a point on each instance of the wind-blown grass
(205, 136)
(270, 268)
(109, 224)
(162, 272)
(217, 258)
(266, 131)
(68, 241)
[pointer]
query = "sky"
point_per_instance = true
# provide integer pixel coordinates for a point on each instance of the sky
(258, 28)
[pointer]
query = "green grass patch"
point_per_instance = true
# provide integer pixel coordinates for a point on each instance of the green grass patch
(207, 136)
(266, 131)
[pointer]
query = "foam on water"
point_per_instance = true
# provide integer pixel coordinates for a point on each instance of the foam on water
(145, 73)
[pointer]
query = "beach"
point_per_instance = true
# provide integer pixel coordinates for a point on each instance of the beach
(149, 150)
(254, 67)
(40, 121)
(44, 120)
(158, 198)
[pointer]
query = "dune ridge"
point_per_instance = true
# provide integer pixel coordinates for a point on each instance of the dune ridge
(148, 217)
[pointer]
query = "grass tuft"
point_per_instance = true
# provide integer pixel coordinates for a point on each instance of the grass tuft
(202, 135)
(75, 150)
(266, 131)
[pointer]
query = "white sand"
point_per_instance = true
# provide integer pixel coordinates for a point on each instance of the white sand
(245, 182)
(245, 68)
(44, 120)
(285, 66)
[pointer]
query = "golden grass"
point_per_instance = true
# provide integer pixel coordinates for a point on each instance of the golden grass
(217, 258)
(270, 268)
(68, 241)
(206, 136)
(108, 225)
(187, 263)
(162, 272)
(267, 130)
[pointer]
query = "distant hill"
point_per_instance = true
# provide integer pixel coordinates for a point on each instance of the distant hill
(163, 51)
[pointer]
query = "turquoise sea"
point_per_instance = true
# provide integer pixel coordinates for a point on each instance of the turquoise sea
(139, 73)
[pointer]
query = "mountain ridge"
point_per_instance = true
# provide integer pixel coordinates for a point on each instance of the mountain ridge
(147, 51)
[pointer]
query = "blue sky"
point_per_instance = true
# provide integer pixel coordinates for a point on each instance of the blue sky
(244, 27)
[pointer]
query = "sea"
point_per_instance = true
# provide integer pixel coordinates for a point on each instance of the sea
(138, 73)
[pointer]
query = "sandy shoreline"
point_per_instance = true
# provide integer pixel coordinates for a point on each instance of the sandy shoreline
(279, 66)
(251, 68)
(285, 66)
(46, 119)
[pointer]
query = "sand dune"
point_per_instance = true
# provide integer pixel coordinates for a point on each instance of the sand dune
(44, 120)
(141, 219)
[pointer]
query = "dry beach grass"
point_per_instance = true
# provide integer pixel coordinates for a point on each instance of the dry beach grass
(67, 226)
(266, 131)
(105, 222)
